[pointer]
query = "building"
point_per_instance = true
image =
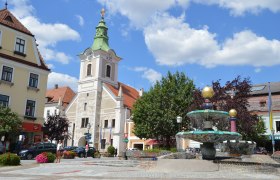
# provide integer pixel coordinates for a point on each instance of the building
(24, 76)
(258, 104)
(102, 104)
(57, 100)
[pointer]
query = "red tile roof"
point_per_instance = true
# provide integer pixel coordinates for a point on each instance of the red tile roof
(130, 95)
(8, 19)
(65, 93)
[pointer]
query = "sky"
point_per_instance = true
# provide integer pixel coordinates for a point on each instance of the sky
(208, 40)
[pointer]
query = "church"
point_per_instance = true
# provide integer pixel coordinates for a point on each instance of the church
(99, 111)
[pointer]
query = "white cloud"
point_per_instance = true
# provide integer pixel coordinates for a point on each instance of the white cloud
(173, 42)
(257, 70)
(239, 7)
(139, 12)
(47, 35)
(149, 74)
(81, 20)
(62, 80)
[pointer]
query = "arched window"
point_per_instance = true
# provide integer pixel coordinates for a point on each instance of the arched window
(88, 69)
(108, 71)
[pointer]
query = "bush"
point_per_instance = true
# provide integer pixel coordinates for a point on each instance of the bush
(69, 155)
(96, 154)
(111, 150)
(45, 157)
(9, 159)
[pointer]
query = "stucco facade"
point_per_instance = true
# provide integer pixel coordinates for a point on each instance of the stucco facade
(24, 76)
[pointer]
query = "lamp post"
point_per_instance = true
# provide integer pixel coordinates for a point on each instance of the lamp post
(88, 138)
(179, 121)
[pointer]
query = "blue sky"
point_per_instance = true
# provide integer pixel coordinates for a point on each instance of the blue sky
(206, 39)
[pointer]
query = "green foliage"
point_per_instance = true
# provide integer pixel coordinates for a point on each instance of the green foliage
(9, 122)
(56, 127)
(155, 150)
(9, 159)
(173, 150)
(51, 157)
(96, 154)
(111, 150)
(154, 114)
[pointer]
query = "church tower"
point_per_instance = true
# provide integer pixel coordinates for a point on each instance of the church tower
(99, 65)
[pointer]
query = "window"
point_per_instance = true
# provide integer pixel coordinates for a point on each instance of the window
(4, 100)
(106, 124)
(88, 69)
(103, 142)
(111, 142)
(113, 123)
(278, 126)
(108, 71)
(33, 80)
(55, 112)
(30, 108)
(85, 106)
(20, 43)
(48, 113)
(84, 122)
(7, 73)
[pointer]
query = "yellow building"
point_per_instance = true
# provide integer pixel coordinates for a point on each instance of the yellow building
(23, 75)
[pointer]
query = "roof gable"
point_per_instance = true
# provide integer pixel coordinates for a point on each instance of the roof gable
(8, 19)
(130, 95)
(66, 95)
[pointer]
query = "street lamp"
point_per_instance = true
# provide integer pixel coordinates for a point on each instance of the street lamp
(179, 121)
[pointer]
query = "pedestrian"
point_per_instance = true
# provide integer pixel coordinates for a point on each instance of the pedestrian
(116, 152)
(59, 151)
(86, 150)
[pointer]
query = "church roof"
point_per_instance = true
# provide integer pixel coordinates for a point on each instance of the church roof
(65, 94)
(130, 95)
(8, 19)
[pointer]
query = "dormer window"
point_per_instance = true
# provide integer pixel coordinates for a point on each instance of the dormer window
(262, 103)
(108, 71)
(89, 70)
(9, 18)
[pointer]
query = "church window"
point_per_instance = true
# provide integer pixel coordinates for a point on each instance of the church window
(108, 71)
(89, 70)
(113, 123)
(84, 122)
(85, 106)
(106, 124)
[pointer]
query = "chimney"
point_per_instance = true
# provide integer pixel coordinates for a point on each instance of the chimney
(56, 86)
(141, 91)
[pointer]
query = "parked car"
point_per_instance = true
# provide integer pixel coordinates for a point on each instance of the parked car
(36, 149)
(81, 151)
(69, 148)
(260, 150)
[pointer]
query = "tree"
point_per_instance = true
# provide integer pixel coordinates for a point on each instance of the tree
(10, 123)
(56, 127)
(234, 95)
(154, 114)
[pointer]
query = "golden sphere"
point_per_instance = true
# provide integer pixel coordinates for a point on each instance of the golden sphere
(207, 92)
(232, 113)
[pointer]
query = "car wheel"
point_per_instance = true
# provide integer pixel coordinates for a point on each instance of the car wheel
(29, 156)
(82, 155)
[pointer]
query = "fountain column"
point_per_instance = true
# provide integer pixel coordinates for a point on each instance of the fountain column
(232, 114)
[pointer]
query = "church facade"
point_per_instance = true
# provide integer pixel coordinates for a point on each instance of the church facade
(99, 111)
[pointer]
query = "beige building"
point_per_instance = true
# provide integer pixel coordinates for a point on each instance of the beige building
(24, 76)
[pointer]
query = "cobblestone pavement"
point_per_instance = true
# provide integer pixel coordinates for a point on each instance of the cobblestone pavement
(112, 168)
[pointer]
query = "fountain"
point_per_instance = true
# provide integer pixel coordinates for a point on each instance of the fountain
(203, 121)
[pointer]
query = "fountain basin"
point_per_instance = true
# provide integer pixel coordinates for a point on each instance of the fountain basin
(209, 136)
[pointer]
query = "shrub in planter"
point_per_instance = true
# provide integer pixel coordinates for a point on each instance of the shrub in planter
(69, 154)
(9, 159)
(45, 157)
(96, 154)
(111, 150)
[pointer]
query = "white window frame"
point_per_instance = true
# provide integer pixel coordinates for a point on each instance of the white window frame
(34, 115)
(12, 73)
(38, 83)
(9, 100)
(25, 43)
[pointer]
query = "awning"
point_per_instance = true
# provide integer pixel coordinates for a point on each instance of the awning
(31, 127)
(152, 142)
